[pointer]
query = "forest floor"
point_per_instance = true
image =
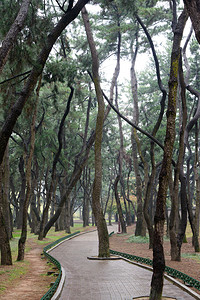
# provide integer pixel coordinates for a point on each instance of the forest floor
(30, 281)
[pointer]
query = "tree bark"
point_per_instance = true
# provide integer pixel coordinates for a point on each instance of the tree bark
(197, 183)
(176, 247)
(119, 208)
(12, 34)
(159, 219)
(97, 185)
(193, 9)
(6, 191)
(6, 256)
(136, 149)
(22, 192)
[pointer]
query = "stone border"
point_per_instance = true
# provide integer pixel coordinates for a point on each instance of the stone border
(60, 286)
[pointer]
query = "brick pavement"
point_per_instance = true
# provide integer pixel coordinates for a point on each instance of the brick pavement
(104, 280)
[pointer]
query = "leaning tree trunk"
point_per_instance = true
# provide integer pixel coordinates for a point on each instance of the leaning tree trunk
(159, 219)
(22, 240)
(96, 193)
(53, 174)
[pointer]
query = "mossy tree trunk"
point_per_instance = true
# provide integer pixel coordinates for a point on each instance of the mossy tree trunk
(97, 185)
(159, 219)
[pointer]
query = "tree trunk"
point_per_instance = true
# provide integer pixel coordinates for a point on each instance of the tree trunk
(110, 211)
(12, 34)
(183, 221)
(119, 208)
(96, 193)
(159, 219)
(22, 240)
(22, 192)
(193, 9)
(76, 174)
(86, 196)
(53, 175)
(176, 247)
(151, 179)
(140, 224)
(68, 216)
(6, 191)
(6, 256)
(197, 182)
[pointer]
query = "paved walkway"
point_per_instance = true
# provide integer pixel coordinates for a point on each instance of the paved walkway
(104, 280)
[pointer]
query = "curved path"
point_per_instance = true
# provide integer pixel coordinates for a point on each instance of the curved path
(104, 279)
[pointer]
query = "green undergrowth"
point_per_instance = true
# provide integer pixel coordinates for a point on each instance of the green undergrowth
(138, 239)
(195, 256)
(141, 239)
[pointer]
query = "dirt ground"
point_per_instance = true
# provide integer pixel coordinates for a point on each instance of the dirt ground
(35, 283)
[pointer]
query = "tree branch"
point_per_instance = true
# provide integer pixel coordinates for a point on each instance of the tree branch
(128, 121)
(17, 108)
(16, 76)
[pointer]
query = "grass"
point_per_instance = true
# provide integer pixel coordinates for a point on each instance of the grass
(195, 256)
(141, 239)
(12, 273)
(138, 239)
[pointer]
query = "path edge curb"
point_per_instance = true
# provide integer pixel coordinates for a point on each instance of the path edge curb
(176, 282)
